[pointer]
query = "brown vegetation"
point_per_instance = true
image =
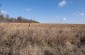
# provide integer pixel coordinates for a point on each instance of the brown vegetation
(42, 39)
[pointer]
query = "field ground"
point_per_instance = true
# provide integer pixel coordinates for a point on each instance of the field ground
(42, 39)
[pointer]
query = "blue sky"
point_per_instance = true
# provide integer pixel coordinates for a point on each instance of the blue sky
(46, 11)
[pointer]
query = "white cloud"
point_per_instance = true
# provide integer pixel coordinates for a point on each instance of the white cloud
(75, 14)
(63, 19)
(82, 14)
(28, 9)
(3, 12)
(79, 14)
(62, 3)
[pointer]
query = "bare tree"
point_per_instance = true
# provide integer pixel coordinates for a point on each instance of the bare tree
(20, 19)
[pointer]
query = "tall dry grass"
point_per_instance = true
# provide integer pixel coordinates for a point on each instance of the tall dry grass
(42, 39)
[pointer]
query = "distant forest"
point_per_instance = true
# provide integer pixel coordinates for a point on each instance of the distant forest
(20, 19)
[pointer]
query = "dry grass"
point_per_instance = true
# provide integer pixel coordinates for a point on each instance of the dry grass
(42, 39)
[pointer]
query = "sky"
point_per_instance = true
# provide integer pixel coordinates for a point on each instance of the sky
(46, 11)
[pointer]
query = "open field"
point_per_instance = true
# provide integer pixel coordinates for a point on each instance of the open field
(42, 39)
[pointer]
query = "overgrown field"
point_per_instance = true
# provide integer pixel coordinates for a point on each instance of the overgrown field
(42, 39)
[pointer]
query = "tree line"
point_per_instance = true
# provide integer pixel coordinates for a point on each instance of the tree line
(20, 19)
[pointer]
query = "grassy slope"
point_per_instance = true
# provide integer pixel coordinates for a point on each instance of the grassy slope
(42, 39)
